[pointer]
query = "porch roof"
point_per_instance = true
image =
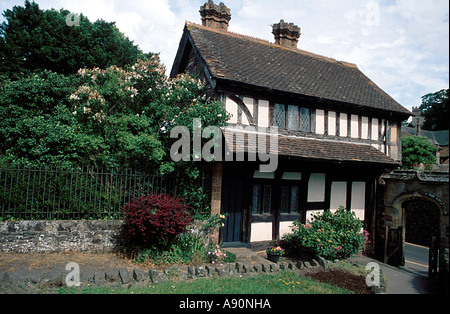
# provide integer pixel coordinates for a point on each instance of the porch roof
(307, 148)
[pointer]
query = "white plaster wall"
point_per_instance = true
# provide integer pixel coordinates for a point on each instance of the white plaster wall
(354, 126)
(263, 113)
(310, 213)
(231, 108)
(285, 227)
(320, 121)
(338, 195)
(365, 128)
(249, 104)
(316, 187)
(343, 125)
(331, 123)
(261, 231)
(358, 199)
(374, 129)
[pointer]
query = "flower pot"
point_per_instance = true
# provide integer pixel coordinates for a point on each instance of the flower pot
(273, 258)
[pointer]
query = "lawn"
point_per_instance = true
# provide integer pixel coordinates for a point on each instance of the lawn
(279, 283)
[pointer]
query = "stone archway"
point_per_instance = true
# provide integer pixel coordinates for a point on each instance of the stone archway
(415, 194)
(421, 221)
(418, 210)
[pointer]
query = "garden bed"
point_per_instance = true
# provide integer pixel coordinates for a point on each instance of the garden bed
(30, 265)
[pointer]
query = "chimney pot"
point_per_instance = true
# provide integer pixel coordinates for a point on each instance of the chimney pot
(286, 34)
(215, 16)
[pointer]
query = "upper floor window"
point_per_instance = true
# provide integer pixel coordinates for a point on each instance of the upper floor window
(292, 117)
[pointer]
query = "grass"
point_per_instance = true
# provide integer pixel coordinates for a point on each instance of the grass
(279, 283)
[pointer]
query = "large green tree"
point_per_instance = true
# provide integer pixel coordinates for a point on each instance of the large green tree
(108, 118)
(33, 39)
(435, 108)
(417, 150)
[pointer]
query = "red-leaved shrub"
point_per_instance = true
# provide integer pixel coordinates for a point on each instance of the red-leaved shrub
(155, 219)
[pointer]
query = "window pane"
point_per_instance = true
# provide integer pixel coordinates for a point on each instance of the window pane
(293, 118)
(305, 120)
(256, 201)
(267, 199)
(294, 199)
(284, 206)
(280, 116)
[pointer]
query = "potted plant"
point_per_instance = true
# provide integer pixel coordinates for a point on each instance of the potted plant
(274, 253)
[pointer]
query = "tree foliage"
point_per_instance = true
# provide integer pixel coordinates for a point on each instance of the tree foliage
(435, 108)
(73, 96)
(32, 39)
(417, 150)
(108, 118)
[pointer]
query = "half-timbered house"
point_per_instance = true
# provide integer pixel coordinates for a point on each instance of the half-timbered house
(337, 131)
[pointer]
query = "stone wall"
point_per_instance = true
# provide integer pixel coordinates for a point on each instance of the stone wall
(44, 236)
(56, 236)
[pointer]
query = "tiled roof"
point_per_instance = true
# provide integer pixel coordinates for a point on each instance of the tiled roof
(305, 148)
(249, 60)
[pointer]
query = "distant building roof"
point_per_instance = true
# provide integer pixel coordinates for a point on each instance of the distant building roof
(440, 138)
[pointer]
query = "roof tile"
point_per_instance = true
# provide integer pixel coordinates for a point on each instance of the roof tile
(257, 62)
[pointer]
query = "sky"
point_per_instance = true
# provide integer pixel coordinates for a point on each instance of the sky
(401, 45)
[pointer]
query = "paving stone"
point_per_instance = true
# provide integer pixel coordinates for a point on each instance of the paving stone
(323, 262)
(230, 268)
(139, 275)
(200, 271)
(52, 279)
(191, 272)
(210, 270)
(112, 276)
(157, 277)
(125, 276)
(239, 268)
(87, 277)
(257, 269)
(99, 277)
(292, 266)
(274, 268)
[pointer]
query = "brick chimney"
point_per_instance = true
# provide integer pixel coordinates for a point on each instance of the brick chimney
(286, 34)
(215, 16)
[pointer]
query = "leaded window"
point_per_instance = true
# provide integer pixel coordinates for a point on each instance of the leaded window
(305, 120)
(262, 199)
(289, 199)
(292, 117)
(280, 116)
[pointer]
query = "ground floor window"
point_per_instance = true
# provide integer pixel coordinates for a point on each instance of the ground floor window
(262, 199)
(289, 199)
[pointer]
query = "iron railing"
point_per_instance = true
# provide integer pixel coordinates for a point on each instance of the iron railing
(54, 193)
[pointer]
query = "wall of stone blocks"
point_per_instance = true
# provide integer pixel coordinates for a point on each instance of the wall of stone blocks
(45, 236)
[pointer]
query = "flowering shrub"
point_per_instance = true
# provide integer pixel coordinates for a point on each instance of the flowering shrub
(155, 220)
(216, 255)
(275, 250)
(331, 235)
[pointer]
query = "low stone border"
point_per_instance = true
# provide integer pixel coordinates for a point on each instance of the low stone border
(137, 277)
(124, 276)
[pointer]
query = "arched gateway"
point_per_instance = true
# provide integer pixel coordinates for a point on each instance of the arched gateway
(415, 206)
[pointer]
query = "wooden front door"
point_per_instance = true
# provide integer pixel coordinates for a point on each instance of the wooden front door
(233, 204)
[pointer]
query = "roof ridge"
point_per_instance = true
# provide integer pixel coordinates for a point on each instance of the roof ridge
(266, 42)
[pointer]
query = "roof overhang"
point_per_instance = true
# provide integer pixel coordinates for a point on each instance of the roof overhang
(242, 141)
